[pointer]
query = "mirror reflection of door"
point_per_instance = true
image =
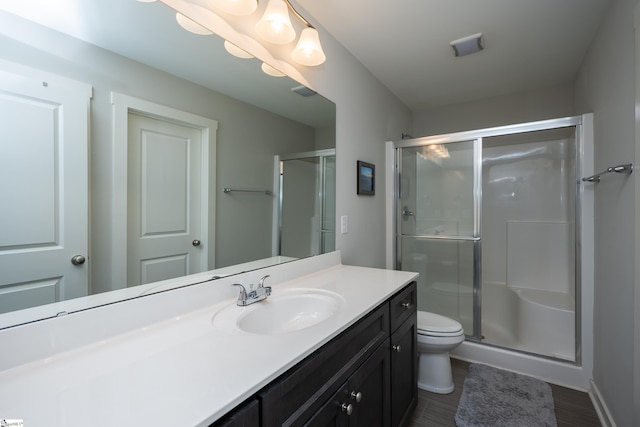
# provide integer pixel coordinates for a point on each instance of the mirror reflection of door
(43, 188)
(307, 207)
(165, 196)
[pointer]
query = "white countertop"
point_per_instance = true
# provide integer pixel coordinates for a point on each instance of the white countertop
(179, 370)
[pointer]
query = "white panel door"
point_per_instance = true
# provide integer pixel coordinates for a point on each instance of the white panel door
(43, 188)
(164, 200)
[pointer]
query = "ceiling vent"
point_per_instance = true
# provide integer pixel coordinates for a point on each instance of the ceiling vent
(303, 91)
(468, 45)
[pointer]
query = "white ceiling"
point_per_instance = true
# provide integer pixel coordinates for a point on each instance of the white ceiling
(529, 44)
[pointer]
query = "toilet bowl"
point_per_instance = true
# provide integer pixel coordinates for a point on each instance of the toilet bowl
(437, 336)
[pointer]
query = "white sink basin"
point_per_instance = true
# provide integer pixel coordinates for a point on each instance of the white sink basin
(284, 311)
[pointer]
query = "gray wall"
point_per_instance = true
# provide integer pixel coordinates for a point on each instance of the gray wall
(367, 115)
(545, 103)
(605, 85)
(244, 155)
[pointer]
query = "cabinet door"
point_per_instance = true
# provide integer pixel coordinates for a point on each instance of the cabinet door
(368, 390)
(332, 413)
(404, 372)
(364, 401)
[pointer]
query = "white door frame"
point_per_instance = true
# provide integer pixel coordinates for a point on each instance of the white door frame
(122, 106)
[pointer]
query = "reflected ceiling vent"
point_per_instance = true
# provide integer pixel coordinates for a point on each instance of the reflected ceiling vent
(468, 45)
(303, 90)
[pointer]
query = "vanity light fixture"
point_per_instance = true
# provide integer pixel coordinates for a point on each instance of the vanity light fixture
(236, 51)
(269, 70)
(191, 26)
(236, 7)
(275, 27)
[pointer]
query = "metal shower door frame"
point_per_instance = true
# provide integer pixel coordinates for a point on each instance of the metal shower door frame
(477, 136)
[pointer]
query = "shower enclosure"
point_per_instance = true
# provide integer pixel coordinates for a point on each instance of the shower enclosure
(306, 204)
(490, 219)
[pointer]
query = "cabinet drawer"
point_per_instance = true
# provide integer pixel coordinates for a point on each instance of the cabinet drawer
(403, 305)
(295, 396)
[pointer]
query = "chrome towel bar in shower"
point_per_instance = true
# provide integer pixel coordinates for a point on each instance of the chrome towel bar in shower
(229, 190)
(628, 168)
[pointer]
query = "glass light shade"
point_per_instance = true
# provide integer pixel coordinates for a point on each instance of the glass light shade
(308, 50)
(275, 25)
(273, 72)
(235, 7)
(191, 26)
(236, 51)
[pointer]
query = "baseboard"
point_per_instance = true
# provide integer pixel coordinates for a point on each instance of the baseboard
(601, 407)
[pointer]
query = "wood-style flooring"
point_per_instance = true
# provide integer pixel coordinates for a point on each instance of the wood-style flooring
(573, 408)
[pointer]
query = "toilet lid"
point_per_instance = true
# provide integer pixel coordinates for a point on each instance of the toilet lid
(431, 322)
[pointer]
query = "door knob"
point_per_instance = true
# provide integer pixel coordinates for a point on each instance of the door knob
(77, 260)
(196, 242)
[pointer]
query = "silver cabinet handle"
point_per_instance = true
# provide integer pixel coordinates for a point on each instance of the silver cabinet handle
(77, 260)
(196, 242)
(396, 348)
(356, 395)
(406, 304)
(348, 408)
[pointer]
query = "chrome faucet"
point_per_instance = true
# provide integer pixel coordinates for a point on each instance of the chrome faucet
(261, 292)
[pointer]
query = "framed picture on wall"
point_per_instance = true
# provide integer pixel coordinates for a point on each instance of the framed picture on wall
(366, 178)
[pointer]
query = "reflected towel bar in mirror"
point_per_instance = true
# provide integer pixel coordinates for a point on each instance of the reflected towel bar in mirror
(628, 168)
(229, 190)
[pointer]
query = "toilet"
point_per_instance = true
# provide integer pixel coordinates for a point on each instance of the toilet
(437, 336)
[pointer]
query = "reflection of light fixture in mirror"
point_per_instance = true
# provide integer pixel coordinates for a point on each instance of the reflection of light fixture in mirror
(268, 69)
(434, 152)
(236, 51)
(191, 26)
(236, 7)
(275, 25)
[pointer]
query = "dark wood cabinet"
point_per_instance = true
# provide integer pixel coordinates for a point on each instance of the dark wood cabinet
(366, 376)
(404, 372)
(292, 399)
(404, 355)
(364, 400)
(245, 415)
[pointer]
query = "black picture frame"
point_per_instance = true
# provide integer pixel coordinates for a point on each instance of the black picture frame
(366, 178)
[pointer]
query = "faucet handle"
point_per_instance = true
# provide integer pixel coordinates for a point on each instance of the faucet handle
(243, 291)
(261, 285)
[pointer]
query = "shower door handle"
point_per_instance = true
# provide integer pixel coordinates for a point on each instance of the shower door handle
(406, 213)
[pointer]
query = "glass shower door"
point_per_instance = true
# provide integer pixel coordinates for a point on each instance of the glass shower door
(438, 227)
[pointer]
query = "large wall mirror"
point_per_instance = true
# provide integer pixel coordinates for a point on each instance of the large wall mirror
(152, 90)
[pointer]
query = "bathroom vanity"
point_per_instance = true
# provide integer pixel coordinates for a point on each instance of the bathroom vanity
(192, 357)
